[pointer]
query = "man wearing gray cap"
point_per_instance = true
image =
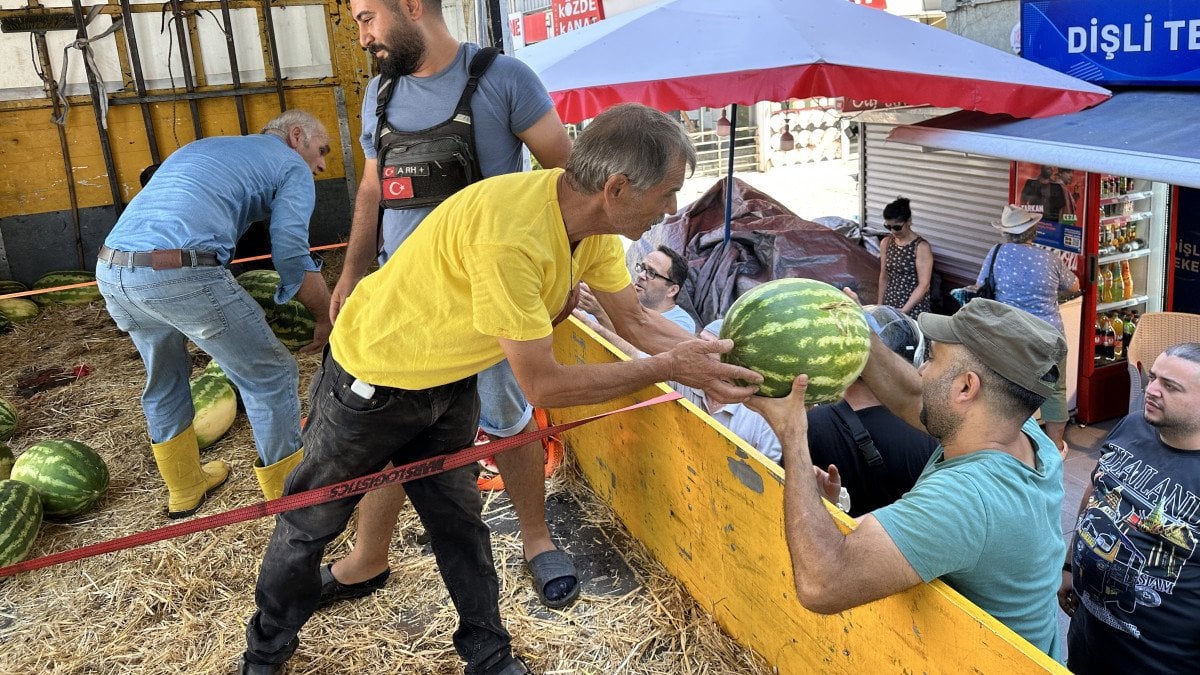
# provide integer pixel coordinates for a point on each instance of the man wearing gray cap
(984, 515)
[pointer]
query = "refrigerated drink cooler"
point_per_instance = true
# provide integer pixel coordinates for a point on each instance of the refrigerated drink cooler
(1127, 269)
(1116, 234)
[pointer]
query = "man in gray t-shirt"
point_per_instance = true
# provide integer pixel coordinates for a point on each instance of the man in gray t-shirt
(510, 109)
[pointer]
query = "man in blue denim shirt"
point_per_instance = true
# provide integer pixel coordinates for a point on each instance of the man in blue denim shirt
(162, 273)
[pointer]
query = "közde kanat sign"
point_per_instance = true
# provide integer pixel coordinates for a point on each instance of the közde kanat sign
(1129, 42)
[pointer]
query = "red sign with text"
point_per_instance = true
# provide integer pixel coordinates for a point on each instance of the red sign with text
(874, 4)
(568, 15)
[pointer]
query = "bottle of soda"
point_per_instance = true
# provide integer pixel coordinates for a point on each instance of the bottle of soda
(1098, 340)
(1118, 328)
(1130, 320)
(1110, 289)
(1110, 340)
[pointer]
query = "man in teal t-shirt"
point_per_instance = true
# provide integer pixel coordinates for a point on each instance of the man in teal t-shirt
(984, 514)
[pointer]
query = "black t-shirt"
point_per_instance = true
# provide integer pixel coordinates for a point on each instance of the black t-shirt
(1134, 558)
(904, 450)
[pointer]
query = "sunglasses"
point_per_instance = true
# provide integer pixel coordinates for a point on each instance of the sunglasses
(641, 270)
(894, 228)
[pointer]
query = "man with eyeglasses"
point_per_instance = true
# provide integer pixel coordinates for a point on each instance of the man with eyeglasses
(659, 279)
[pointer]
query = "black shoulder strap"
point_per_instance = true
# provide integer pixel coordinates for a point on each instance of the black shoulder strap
(479, 64)
(866, 446)
(992, 265)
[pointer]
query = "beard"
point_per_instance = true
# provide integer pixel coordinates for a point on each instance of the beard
(405, 49)
(935, 415)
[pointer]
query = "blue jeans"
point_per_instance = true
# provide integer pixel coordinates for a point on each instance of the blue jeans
(163, 309)
(348, 436)
(503, 409)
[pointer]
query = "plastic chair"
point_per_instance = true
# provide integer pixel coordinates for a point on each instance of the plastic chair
(1156, 331)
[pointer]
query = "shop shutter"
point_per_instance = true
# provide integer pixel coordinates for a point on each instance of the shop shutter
(955, 197)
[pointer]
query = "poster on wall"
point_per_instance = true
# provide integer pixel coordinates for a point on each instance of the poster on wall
(1057, 194)
(1185, 296)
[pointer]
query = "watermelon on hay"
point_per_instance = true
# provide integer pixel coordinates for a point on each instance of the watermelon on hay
(9, 286)
(216, 407)
(788, 327)
(69, 476)
(72, 296)
(18, 310)
(6, 461)
(20, 518)
(291, 322)
(8, 419)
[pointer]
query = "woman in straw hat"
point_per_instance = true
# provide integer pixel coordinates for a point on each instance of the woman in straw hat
(1031, 278)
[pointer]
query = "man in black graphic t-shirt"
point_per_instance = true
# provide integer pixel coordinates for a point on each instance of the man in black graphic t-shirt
(1131, 581)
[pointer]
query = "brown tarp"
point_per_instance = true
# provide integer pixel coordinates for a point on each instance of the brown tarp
(767, 242)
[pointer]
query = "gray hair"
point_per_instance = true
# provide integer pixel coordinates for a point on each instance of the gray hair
(631, 139)
(283, 124)
(1189, 351)
(1022, 238)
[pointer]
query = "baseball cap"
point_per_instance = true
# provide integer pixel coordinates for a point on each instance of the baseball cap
(1022, 348)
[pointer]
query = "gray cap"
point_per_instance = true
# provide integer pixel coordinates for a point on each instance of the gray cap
(1022, 348)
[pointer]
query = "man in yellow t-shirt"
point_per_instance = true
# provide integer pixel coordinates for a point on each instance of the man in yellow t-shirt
(482, 279)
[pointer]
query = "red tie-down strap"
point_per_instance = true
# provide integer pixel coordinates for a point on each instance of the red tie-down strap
(355, 486)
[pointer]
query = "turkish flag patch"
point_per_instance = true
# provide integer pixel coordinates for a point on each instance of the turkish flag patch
(398, 188)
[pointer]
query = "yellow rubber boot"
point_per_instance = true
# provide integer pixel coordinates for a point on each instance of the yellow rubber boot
(188, 483)
(270, 478)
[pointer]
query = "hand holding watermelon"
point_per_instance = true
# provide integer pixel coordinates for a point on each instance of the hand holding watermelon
(787, 416)
(695, 364)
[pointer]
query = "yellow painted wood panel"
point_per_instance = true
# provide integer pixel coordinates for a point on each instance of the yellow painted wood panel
(711, 509)
(32, 175)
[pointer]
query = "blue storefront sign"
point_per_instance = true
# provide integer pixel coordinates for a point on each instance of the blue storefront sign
(1106, 42)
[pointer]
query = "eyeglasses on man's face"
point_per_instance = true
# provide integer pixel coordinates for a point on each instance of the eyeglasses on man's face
(642, 270)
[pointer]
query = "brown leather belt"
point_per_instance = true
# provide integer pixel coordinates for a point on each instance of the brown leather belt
(159, 259)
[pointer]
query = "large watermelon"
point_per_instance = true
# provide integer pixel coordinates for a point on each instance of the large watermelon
(19, 309)
(216, 406)
(9, 286)
(20, 518)
(291, 322)
(74, 296)
(69, 475)
(6, 461)
(8, 420)
(791, 326)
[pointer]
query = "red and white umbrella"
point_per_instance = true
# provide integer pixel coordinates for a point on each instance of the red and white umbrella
(687, 54)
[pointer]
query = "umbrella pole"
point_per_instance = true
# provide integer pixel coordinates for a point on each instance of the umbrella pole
(729, 178)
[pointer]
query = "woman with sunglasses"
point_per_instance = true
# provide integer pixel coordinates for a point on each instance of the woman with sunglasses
(905, 262)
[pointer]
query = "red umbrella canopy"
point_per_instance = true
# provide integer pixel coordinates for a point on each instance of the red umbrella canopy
(686, 54)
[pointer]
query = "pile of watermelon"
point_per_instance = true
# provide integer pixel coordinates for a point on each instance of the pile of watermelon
(788, 327)
(291, 322)
(58, 479)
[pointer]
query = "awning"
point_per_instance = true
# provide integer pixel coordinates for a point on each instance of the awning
(1143, 134)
